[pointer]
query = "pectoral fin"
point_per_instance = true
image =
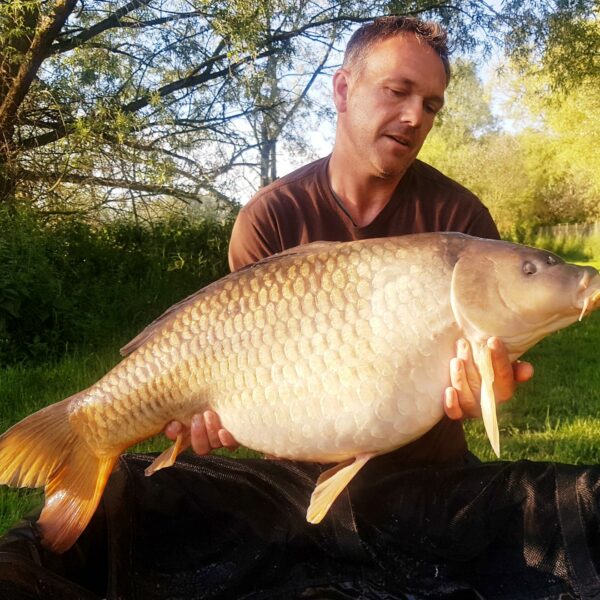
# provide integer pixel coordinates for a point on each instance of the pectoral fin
(331, 483)
(168, 457)
(483, 358)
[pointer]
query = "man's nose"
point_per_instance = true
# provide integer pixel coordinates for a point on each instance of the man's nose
(412, 111)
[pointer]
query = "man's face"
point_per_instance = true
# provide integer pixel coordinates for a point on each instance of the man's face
(387, 107)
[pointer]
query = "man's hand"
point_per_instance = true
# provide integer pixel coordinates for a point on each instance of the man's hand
(462, 399)
(204, 434)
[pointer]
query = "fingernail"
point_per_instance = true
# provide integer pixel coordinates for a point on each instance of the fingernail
(196, 420)
(456, 365)
(448, 397)
(493, 343)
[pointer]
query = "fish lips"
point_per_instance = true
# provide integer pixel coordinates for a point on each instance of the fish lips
(589, 288)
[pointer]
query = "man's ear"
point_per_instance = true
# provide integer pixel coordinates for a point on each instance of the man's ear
(340, 89)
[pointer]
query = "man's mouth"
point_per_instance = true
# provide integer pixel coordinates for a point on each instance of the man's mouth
(400, 139)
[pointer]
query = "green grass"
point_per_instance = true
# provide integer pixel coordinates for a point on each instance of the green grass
(573, 248)
(556, 415)
(590, 263)
(25, 389)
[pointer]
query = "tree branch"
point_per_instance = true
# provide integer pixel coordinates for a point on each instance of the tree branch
(113, 21)
(196, 78)
(111, 182)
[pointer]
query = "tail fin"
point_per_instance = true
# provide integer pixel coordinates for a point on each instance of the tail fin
(43, 450)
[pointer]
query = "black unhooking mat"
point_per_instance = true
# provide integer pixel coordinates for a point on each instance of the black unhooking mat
(216, 528)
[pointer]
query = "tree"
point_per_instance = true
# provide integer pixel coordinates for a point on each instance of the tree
(28, 29)
(113, 102)
(279, 98)
(562, 148)
(560, 38)
(543, 174)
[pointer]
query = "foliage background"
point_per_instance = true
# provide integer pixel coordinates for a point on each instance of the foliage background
(68, 283)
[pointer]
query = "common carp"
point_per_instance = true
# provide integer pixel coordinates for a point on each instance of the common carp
(329, 352)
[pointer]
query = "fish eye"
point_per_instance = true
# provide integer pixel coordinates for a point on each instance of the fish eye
(550, 260)
(529, 268)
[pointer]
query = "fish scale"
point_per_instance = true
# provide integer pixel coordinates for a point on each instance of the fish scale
(331, 352)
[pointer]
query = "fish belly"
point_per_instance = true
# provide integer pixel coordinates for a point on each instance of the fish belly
(348, 356)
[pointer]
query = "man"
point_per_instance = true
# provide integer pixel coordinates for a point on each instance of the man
(387, 94)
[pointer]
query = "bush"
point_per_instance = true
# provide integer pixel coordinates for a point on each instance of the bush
(30, 292)
(574, 248)
(71, 283)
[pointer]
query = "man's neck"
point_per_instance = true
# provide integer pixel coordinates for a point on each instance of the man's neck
(363, 196)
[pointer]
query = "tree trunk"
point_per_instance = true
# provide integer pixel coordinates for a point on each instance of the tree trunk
(31, 47)
(274, 160)
(268, 161)
(7, 169)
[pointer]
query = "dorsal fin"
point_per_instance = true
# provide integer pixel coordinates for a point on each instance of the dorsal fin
(158, 323)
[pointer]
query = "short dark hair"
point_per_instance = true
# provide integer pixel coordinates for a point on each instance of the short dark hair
(383, 28)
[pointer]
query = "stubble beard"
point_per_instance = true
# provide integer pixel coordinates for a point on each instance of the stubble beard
(391, 172)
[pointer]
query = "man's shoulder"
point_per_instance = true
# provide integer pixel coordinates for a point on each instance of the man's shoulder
(429, 176)
(289, 189)
(446, 205)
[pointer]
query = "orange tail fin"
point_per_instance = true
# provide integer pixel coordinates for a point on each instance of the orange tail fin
(43, 450)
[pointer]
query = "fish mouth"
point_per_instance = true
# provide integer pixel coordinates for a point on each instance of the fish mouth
(589, 285)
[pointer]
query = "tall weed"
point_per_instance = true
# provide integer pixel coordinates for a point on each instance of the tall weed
(572, 247)
(69, 283)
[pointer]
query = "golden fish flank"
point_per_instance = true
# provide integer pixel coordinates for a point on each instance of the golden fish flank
(330, 352)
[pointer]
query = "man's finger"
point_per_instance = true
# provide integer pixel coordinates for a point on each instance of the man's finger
(523, 371)
(467, 401)
(213, 424)
(504, 379)
(451, 404)
(199, 436)
(227, 440)
(173, 429)
(463, 351)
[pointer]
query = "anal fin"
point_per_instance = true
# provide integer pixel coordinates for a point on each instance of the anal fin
(331, 483)
(169, 456)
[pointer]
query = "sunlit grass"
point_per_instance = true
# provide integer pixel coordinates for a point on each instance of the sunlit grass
(591, 263)
(556, 415)
(573, 248)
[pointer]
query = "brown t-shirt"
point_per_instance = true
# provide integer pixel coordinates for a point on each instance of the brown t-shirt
(301, 208)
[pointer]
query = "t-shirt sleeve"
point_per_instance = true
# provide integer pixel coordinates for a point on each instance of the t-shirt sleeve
(253, 237)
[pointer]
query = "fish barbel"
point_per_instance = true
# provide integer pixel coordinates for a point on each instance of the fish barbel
(329, 352)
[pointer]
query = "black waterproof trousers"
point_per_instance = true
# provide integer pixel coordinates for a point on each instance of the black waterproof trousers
(217, 528)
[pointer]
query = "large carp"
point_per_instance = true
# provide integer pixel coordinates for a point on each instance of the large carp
(330, 352)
